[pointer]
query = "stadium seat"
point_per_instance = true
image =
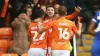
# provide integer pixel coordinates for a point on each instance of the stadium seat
(1, 53)
(25, 54)
(9, 54)
(84, 48)
(83, 54)
(87, 42)
(3, 46)
(6, 33)
(10, 44)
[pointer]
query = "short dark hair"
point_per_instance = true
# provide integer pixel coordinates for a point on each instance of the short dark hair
(28, 7)
(40, 13)
(49, 6)
(62, 10)
(21, 11)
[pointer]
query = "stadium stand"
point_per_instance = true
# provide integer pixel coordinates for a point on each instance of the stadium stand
(8, 54)
(24, 54)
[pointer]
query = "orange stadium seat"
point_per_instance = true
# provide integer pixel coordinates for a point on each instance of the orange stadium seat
(6, 33)
(10, 43)
(3, 46)
(1, 53)
(9, 54)
(25, 54)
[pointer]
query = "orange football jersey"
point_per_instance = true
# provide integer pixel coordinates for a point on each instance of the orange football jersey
(61, 30)
(37, 40)
(49, 32)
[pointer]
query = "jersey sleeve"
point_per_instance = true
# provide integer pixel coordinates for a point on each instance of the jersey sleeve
(72, 16)
(96, 17)
(48, 25)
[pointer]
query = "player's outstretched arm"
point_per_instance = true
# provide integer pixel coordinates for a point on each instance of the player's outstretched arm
(73, 15)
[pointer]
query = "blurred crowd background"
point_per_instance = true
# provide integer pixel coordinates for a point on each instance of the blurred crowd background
(9, 9)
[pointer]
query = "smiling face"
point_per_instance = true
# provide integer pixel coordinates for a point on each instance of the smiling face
(50, 11)
(29, 12)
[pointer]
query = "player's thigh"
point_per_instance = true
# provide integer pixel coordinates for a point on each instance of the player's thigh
(42, 52)
(36, 52)
(65, 53)
(55, 53)
(60, 53)
(95, 50)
